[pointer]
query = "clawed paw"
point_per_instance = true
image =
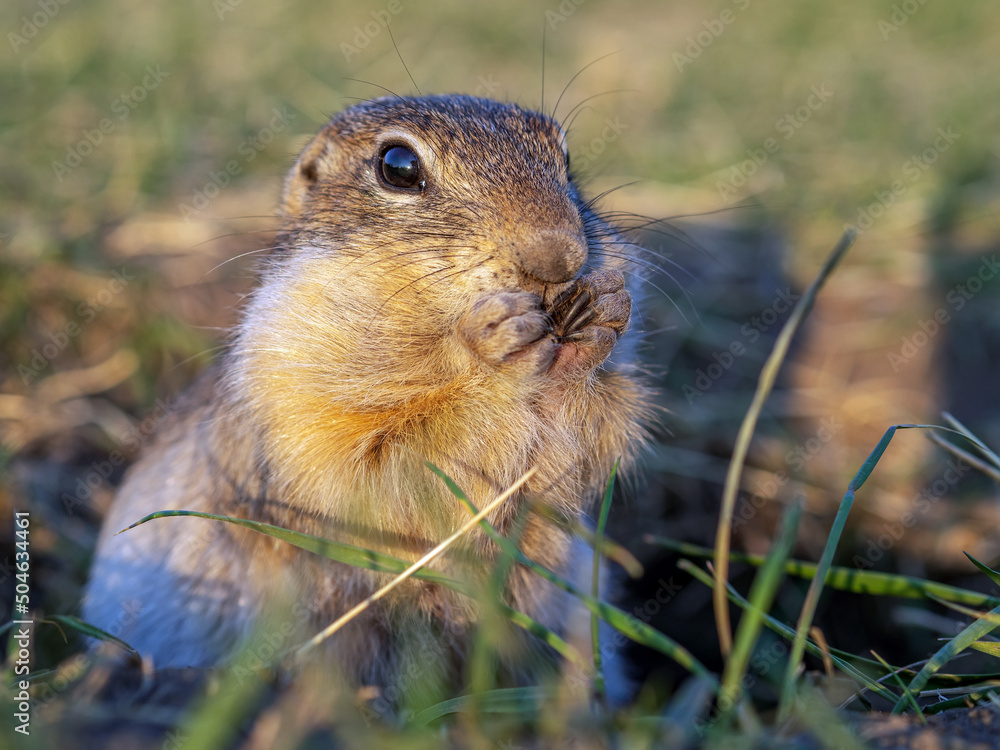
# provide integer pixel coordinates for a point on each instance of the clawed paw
(508, 327)
(598, 299)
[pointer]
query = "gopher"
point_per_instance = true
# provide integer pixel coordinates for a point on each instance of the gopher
(439, 292)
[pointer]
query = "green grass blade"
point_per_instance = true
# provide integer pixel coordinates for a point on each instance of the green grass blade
(358, 557)
(482, 662)
(75, 623)
(624, 623)
(765, 384)
(684, 716)
(595, 621)
(991, 616)
(987, 647)
(762, 592)
(521, 701)
(370, 560)
(789, 634)
(545, 635)
(974, 632)
(991, 574)
(848, 579)
(454, 489)
(899, 681)
(216, 722)
(808, 610)
(964, 701)
(610, 549)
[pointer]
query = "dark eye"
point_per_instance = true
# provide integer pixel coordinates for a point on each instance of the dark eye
(400, 168)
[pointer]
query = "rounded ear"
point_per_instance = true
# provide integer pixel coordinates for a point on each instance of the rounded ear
(311, 165)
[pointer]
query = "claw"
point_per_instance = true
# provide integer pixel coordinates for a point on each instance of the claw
(561, 301)
(576, 313)
(577, 323)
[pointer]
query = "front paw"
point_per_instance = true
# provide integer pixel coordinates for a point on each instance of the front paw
(598, 299)
(589, 318)
(509, 328)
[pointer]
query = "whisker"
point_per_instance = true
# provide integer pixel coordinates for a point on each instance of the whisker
(595, 96)
(671, 231)
(247, 217)
(638, 261)
(402, 289)
(570, 82)
(215, 268)
(400, 56)
(542, 107)
(616, 233)
(567, 129)
(375, 85)
(661, 258)
(641, 263)
(193, 357)
(646, 280)
(453, 275)
(588, 205)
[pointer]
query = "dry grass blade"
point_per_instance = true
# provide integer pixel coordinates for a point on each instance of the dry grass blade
(768, 375)
(965, 432)
(976, 463)
(430, 556)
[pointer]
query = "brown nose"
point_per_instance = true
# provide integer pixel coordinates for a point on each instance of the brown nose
(551, 255)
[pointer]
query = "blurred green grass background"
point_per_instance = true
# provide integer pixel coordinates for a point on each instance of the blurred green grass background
(693, 87)
(793, 118)
(694, 93)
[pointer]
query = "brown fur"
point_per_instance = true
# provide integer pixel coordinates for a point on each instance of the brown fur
(391, 328)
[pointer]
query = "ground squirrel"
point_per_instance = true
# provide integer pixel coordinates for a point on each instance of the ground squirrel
(439, 291)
